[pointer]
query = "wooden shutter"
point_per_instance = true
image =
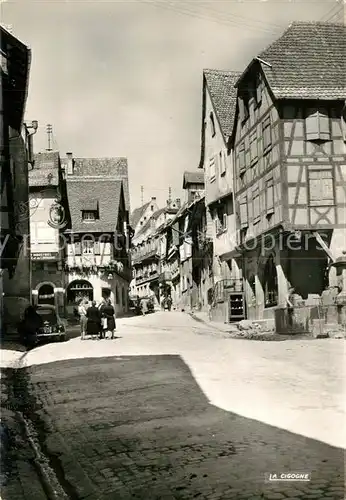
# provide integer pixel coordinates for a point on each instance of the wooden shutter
(312, 125)
(256, 205)
(241, 158)
(321, 189)
(324, 124)
(222, 162)
(253, 147)
(270, 196)
(175, 234)
(78, 248)
(243, 209)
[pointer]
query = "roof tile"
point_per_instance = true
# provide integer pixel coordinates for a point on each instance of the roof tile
(224, 96)
(308, 62)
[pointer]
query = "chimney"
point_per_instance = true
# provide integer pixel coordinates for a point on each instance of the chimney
(178, 202)
(69, 163)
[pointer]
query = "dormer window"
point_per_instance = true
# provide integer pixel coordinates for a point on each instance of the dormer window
(212, 124)
(90, 210)
(88, 216)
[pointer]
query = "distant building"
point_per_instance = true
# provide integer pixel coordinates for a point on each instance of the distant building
(290, 171)
(16, 148)
(49, 217)
(141, 215)
(98, 239)
(146, 252)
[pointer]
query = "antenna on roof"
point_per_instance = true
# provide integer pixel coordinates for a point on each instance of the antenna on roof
(49, 134)
(142, 195)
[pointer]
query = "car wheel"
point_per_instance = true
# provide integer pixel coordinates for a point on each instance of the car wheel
(62, 338)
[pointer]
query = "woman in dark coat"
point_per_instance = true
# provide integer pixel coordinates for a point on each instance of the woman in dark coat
(94, 320)
(108, 312)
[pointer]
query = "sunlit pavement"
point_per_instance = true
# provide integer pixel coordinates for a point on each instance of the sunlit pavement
(296, 385)
(133, 424)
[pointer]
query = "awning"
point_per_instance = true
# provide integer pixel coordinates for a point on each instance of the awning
(89, 205)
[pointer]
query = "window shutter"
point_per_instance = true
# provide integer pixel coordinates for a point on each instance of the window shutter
(324, 125)
(312, 125)
(243, 214)
(222, 162)
(212, 167)
(242, 158)
(343, 124)
(253, 148)
(78, 249)
(270, 196)
(217, 166)
(175, 234)
(256, 207)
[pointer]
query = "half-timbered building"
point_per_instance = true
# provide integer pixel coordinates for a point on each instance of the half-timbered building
(97, 241)
(219, 105)
(16, 154)
(290, 165)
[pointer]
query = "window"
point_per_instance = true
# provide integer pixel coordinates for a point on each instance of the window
(253, 148)
(269, 197)
(222, 163)
(243, 109)
(317, 125)
(267, 135)
(88, 247)
(321, 188)
(220, 219)
(259, 89)
(212, 124)
(270, 283)
(89, 216)
(256, 205)
(241, 159)
(212, 172)
(243, 209)
(152, 208)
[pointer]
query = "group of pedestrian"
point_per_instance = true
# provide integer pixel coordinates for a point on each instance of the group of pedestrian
(97, 321)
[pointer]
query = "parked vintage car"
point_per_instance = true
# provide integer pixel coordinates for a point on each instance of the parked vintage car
(47, 325)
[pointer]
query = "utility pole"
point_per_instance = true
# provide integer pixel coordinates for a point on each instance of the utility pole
(49, 134)
(142, 195)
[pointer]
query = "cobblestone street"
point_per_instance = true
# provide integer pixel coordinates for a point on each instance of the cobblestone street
(126, 419)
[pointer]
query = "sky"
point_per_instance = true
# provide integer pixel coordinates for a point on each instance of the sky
(124, 78)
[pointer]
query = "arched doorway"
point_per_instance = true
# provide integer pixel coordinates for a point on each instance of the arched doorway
(46, 294)
(79, 290)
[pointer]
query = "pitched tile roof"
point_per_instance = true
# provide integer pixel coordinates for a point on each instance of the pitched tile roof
(107, 193)
(116, 168)
(193, 178)
(46, 170)
(308, 62)
(137, 214)
(150, 221)
(223, 95)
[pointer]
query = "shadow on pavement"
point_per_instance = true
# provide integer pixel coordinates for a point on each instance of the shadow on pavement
(140, 427)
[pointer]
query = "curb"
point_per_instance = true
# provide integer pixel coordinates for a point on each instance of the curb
(53, 492)
(200, 320)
